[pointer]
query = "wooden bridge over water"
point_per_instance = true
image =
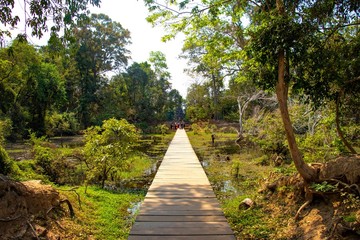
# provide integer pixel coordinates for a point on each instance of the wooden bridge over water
(180, 203)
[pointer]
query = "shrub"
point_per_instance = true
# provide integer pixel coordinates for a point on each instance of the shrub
(196, 128)
(210, 128)
(268, 133)
(5, 162)
(61, 124)
(163, 128)
(44, 159)
(5, 129)
(108, 148)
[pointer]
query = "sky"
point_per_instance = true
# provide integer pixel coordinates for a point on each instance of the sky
(131, 14)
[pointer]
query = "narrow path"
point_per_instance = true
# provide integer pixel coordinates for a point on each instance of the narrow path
(180, 203)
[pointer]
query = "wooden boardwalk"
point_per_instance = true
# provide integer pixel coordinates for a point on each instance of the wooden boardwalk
(180, 203)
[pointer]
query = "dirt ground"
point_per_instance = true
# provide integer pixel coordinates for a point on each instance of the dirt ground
(28, 210)
(331, 214)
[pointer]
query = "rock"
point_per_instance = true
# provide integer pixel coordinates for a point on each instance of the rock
(246, 204)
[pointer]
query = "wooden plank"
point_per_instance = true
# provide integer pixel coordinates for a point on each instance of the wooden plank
(151, 225)
(177, 230)
(149, 212)
(187, 218)
(187, 237)
(179, 207)
(180, 203)
(181, 187)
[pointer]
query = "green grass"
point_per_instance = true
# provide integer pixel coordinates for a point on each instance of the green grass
(244, 173)
(246, 224)
(103, 214)
(139, 163)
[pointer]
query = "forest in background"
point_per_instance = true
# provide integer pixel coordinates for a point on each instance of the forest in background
(65, 86)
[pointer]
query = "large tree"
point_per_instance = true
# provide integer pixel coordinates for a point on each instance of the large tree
(29, 87)
(277, 36)
(100, 48)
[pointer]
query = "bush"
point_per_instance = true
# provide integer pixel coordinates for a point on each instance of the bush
(46, 158)
(163, 128)
(268, 133)
(5, 129)
(108, 148)
(5, 162)
(211, 128)
(61, 124)
(196, 128)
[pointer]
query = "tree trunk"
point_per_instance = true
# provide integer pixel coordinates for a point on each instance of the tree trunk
(338, 128)
(308, 173)
(215, 97)
(240, 117)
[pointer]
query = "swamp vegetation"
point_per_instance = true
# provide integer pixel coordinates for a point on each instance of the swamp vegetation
(265, 175)
(99, 211)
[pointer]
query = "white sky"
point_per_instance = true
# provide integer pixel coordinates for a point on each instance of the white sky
(131, 14)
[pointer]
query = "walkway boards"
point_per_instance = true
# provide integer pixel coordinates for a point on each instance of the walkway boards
(180, 203)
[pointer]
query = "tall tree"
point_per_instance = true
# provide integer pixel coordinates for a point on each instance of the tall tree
(101, 48)
(278, 34)
(174, 106)
(198, 102)
(161, 85)
(139, 78)
(29, 87)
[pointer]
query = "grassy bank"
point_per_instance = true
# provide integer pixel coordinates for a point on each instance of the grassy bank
(236, 174)
(100, 214)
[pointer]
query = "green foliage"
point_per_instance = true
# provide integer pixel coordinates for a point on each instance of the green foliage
(163, 128)
(30, 87)
(210, 128)
(198, 103)
(196, 128)
(286, 170)
(47, 159)
(103, 214)
(6, 164)
(139, 163)
(61, 124)
(63, 14)
(268, 133)
(52, 164)
(323, 187)
(350, 218)
(5, 129)
(323, 143)
(248, 224)
(99, 48)
(44, 159)
(108, 148)
(263, 160)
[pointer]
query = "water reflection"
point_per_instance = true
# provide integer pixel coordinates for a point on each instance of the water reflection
(228, 187)
(205, 164)
(135, 207)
